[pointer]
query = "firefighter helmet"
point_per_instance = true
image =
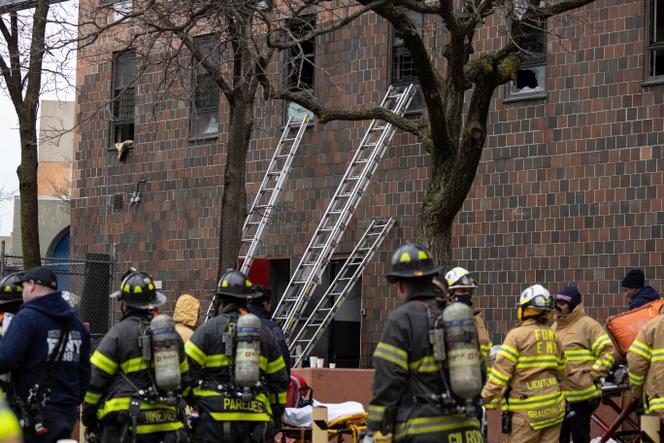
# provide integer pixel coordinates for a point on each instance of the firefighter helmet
(235, 284)
(535, 300)
(139, 291)
(11, 289)
(459, 278)
(411, 260)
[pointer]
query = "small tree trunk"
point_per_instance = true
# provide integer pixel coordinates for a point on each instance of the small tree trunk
(27, 177)
(234, 195)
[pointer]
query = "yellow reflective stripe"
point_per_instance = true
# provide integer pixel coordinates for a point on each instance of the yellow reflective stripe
(535, 401)
(184, 366)
(642, 349)
(134, 365)
(122, 404)
(217, 360)
(542, 361)
(634, 379)
(579, 355)
(274, 365)
(582, 394)
(498, 377)
(161, 427)
(282, 397)
(508, 355)
(392, 354)
(655, 404)
(239, 416)
(195, 353)
(605, 360)
(510, 350)
(658, 355)
(376, 413)
(186, 391)
(599, 344)
(104, 363)
(493, 404)
(200, 392)
(426, 364)
(427, 425)
(92, 398)
(537, 425)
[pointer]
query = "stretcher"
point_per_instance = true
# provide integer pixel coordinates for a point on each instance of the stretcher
(624, 427)
(345, 422)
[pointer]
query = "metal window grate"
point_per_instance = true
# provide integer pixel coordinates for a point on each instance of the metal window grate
(118, 202)
(123, 106)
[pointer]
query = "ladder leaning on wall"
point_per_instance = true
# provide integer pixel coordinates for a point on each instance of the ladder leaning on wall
(268, 194)
(315, 325)
(332, 226)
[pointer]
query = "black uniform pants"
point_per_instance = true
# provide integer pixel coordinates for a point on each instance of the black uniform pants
(208, 430)
(579, 424)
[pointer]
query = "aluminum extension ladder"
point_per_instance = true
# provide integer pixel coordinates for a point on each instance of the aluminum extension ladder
(320, 318)
(346, 198)
(268, 193)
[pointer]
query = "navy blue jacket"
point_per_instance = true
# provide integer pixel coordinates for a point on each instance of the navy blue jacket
(34, 330)
(276, 331)
(644, 296)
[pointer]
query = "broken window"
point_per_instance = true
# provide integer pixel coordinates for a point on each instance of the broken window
(300, 63)
(124, 97)
(530, 36)
(656, 39)
(204, 110)
(403, 70)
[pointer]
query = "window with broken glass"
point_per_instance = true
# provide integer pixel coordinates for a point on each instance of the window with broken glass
(655, 63)
(204, 109)
(530, 36)
(403, 70)
(124, 97)
(300, 63)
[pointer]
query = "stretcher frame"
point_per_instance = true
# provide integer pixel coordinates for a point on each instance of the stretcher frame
(610, 395)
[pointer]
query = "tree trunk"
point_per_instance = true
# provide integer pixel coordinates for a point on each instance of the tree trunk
(27, 177)
(234, 195)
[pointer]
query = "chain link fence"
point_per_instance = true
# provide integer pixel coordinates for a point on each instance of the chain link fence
(89, 279)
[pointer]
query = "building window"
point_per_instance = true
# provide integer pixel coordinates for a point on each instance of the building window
(403, 70)
(531, 76)
(204, 112)
(120, 8)
(300, 63)
(656, 39)
(124, 97)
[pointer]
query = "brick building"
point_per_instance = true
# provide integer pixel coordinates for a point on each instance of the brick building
(569, 189)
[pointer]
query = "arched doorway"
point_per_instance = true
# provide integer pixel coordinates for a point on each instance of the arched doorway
(59, 250)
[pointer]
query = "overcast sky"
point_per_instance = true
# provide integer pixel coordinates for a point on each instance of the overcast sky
(11, 147)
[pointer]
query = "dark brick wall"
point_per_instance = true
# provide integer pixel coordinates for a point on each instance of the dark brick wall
(569, 189)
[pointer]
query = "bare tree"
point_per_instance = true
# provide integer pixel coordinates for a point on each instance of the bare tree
(457, 98)
(171, 34)
(33, 60)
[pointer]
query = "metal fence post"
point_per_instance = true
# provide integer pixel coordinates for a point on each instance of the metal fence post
(2, 258)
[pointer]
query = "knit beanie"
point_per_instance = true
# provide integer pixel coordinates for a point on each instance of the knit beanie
(569, 295)
(634, 279)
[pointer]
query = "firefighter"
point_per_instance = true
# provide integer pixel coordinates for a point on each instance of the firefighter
(126, 400)
(240, 383)
(589, 353)
(645, 360)
(406, 404)
(460, 286)
(529, 368)
(10, 429)
(11, 297)
(261, 306)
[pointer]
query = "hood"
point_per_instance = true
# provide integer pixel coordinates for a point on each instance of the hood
(186, 310)
(258, 311)
(568, 319)
(645, 295)
(52, 305)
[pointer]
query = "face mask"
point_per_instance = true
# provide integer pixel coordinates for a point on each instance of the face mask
(466, 299)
